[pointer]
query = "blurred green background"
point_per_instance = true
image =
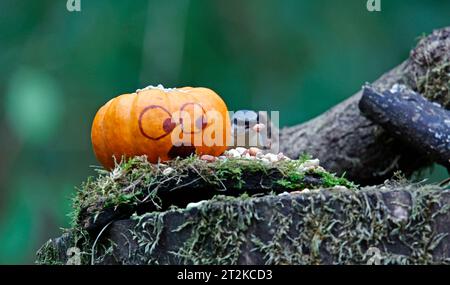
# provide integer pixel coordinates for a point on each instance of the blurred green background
(57, 68)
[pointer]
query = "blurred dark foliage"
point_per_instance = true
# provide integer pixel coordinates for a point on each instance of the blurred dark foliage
(57, 68)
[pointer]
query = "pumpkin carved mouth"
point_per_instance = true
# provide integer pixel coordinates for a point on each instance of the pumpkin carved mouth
(181, 151)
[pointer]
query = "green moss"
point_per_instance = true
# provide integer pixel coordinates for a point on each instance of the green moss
(133, 181)
(56, 251)
(304, 157)
(219, 234)
(339, 227)
(430, 68)
(294, 179)
(231, 171)
(331, 180)
(360, 222)
(435, 84)
(48, 254)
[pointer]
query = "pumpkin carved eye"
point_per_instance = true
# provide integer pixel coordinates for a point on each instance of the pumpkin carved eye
(193, 118)
(169, 125)
(154, 129)
(201, 122)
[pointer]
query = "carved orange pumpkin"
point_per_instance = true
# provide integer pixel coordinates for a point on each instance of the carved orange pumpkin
(162, 124)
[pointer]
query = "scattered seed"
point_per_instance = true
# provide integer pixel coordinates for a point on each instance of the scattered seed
(208, 158)
(168, 171)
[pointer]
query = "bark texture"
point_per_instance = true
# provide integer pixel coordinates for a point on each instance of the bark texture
(345, 141)
(192, 188)
(412, 119)
(391, 224)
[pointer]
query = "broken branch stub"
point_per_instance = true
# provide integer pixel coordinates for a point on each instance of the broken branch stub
(411, 118)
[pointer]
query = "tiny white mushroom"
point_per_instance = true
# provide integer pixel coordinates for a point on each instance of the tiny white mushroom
(195, 205)
(168, 171)
(309, 165)
(339, 188)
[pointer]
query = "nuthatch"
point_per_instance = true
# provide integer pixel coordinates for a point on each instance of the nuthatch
(252, 129)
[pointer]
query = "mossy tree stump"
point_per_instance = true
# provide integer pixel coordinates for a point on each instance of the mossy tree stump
(333, 222)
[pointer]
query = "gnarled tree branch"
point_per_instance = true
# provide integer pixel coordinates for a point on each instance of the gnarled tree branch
(412, 119)
(345, 141)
